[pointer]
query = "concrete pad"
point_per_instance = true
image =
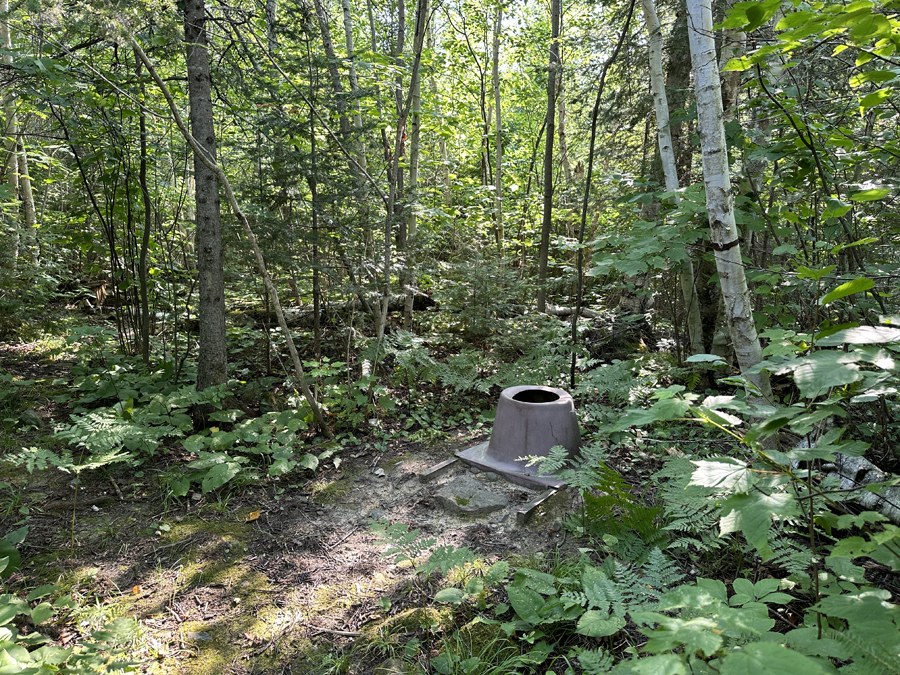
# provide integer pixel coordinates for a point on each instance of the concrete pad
(467, 495)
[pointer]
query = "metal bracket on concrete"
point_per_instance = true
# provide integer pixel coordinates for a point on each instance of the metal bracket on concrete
(438, 470)
(525, 513)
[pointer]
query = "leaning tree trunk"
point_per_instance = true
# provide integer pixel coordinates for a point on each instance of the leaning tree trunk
(547, 221)
(213, 358)
(670, 169)
(719, 201)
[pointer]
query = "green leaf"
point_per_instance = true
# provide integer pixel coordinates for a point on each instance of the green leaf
(807, 273)
(451, 595)
(41, 591)
(42, 612)
(874, 99)
(769, 658)
(308, 461)
(752, 514)
(704, 358)
(868, 27)
(595, 623)
(724, 472)
(659, 664)
(835, 208)
(9, 557)
(872, 76)
(219, 474)
(870, 195)
(825, 369)
(16, 536)
(862, 335)
(854, 286)
(527, 603)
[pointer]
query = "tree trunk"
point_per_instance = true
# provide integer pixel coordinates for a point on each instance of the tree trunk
(212, 361)
(719, 201)
(547, 221)
(11, 132)
(412, 202)
(670, 169)
(498, 141)
(145, 239)
(444, 172)
(210, 163)
(271, 19)
(328, 45)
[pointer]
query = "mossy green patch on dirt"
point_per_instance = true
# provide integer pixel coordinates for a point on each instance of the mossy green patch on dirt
(333, 491)
(408, 621)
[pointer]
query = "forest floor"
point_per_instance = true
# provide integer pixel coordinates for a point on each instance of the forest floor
(274, 577)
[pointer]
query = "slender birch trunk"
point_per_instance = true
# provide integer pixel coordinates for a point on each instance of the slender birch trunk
(719, 201)
(670, 169)
(11, 132)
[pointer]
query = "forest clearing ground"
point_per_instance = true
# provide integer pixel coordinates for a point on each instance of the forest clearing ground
(218, 589)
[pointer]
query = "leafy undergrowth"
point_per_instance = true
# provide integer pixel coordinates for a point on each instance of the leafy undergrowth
(701, 532)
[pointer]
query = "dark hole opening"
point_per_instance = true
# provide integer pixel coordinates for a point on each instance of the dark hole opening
(536, 396)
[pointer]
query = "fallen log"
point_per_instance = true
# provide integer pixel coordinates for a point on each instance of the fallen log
(556, 310)
(856, 473)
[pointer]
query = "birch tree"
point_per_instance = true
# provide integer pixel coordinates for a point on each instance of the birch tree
(719, 201)
(670, 169)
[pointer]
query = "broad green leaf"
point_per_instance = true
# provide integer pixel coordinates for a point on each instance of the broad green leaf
(752, 514)
(42, 612)
(308, 461)
(862, 335)
(724, 472)
(705, 358)
(872, 76)
(9, 559)
(698, 635)
(851, 287)
(219, 474)
(870, 195)
(785, 249)
(807, 273)
(870, 101)
(835, 208)
(595, 623)
(451, 595)
(17, 536)
(180, 486)
(822, 370)
(868, 27)
(769, 658)
(526, 602)
(41, 591)
(659, 664)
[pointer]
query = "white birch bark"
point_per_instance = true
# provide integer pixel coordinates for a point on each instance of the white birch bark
(11, 132)
(670, 170)
(719, 201)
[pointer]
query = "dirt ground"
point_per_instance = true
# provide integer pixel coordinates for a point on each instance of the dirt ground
(277, 577)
